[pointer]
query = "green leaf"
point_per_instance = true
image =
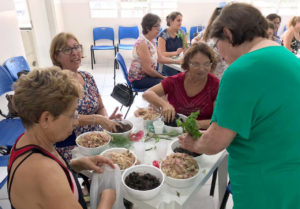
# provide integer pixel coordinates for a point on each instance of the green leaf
(190, 125)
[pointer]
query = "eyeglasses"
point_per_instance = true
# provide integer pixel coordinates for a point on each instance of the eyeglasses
(156, 26)
(68, 50)
(215, 45)
(198, 65)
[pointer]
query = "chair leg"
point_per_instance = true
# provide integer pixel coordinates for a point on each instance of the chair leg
(116, 63)
(213, 182)
(131, 104)
(225, 198)
(92, 59)
(115, 66)
(121, 107)
(127, 112)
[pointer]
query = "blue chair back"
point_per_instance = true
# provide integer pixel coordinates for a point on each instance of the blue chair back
(194, 30)
(15, 65)
(128, 32)
(103, 33)
(121, 62)
(183, 28)
(5, 81)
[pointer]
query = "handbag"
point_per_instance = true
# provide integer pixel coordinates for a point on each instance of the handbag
(123, 94)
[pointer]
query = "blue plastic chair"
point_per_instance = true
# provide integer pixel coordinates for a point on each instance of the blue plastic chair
(10, 130)
(194, 30)
(127, 33)
(120, 60)
(15, 65)
(3, 163)
(102, 33)
(183, 28)
(6, 81)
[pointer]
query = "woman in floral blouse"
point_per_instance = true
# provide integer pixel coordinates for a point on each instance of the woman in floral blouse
(142, 72)
(66, 52)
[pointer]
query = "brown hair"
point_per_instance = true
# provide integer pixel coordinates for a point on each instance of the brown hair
(59, 42)
(48, 89)
(273, 16)
(203, 48)
(244, 21)
(172, 17)
(214, 15)
(148, 21)
(294, 21)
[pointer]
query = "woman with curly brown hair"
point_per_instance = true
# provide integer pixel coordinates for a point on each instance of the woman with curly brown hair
(189, 91)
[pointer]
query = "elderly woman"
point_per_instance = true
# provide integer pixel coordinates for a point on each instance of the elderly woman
(291, 38)
(142, 73)
(66, 53)
(46, 101)
(256, 116)
(169, 42)
(187, 92)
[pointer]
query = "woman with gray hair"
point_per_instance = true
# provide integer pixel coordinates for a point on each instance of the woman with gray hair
(256, 116)
(38, 176)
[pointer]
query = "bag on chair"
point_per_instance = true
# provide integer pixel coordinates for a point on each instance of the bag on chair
(123, 94)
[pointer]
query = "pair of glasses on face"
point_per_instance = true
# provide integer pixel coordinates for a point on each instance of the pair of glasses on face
(75, 116)
(68, 50)
(215, 44)
(198, 65)
(157, 26)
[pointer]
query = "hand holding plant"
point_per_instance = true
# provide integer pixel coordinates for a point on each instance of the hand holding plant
(190, 125)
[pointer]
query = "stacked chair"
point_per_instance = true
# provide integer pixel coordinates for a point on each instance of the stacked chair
(102, 33)
(11, 128)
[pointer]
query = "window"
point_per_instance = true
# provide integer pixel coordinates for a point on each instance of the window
(23, 14)
(104, 8)
(131, 8)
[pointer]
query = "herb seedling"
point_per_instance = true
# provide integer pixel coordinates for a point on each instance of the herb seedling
(190, 125)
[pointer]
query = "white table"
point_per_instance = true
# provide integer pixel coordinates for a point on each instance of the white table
(176, 66)
(168, 199)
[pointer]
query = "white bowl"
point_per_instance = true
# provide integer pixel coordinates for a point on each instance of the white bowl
(176, 144)
(179, 130)
(118, 150)
(180, 183)
(92, 151)
(148, 194)
(122, 134)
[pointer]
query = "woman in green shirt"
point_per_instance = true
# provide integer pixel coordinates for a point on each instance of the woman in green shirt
(257, 113)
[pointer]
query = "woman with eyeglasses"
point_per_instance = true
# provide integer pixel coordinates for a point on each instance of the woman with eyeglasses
(170, 43)
(256, 116)
(189, 91)
(204, 36)
(66, 53)
(38, 176)
(142, 72)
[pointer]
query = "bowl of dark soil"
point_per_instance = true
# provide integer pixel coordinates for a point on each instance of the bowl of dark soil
(175, 147)
(171, 126)
(143, 182)
(123, 130)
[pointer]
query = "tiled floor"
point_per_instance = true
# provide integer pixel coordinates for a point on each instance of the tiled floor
(103, 74)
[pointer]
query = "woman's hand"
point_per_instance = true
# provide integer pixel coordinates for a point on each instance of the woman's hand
(187, 142)
(168, 112)
(109, 125)
(178, 51)
(93, 163)
(116, 116)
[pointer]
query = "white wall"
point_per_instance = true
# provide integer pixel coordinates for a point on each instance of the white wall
(41, 31)
(10, 37)
(76, 19)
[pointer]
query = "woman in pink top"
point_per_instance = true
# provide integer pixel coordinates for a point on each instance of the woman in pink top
(190, 91)
(142, 73)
